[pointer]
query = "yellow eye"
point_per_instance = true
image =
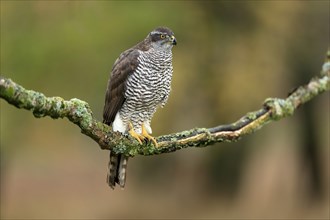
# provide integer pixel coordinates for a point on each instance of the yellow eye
(162, 36)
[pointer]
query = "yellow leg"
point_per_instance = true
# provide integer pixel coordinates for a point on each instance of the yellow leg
(137, 136)
(148, 136)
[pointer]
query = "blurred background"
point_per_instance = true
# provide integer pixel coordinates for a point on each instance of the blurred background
(230, 57)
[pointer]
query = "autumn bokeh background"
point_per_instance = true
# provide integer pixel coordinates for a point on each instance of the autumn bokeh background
(230, 56)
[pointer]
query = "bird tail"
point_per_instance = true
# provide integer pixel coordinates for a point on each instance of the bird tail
(117, 170)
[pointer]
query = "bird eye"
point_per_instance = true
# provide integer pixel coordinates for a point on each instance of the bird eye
(162, 36)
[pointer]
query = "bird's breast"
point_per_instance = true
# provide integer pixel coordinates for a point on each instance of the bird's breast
(150, 82)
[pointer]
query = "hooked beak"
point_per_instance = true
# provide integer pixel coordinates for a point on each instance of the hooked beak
(173, 40)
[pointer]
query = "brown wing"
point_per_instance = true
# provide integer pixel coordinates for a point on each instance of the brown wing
(115, 95)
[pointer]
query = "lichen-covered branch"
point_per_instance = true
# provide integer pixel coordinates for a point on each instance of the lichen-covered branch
(79, 112)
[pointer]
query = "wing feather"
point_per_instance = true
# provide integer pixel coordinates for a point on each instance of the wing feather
(124, 66)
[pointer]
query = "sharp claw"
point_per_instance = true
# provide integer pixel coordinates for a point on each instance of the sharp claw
(147, 136)
(154, 141)
(135, 135)
(144, 136)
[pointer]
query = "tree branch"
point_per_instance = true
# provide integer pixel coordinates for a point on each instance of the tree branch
(79, 112)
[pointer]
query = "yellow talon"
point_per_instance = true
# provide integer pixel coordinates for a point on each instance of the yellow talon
(137, 136)
(143, 136)
(146, 135)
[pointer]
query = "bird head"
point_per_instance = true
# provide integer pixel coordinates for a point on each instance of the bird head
(162, 38)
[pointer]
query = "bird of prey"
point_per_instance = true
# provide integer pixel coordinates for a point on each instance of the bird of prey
(139, 83)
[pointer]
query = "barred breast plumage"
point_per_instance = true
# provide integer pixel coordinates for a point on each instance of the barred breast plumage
(147, 88)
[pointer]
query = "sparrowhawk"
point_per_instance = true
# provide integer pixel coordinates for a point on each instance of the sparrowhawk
(140, 82)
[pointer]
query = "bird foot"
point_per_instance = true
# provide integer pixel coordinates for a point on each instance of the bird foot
(147, 136)
(135, 135)
(144, 136)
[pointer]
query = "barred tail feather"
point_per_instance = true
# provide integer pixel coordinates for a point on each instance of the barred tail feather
(117, 170)
(112, 170)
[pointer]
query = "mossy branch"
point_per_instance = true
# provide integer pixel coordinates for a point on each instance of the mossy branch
(79, 112)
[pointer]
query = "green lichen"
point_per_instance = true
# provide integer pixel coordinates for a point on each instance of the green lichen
(185, 133)
(252, 115)
(280, 108)
(55, 107)
(9, 92)
(6, 90)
